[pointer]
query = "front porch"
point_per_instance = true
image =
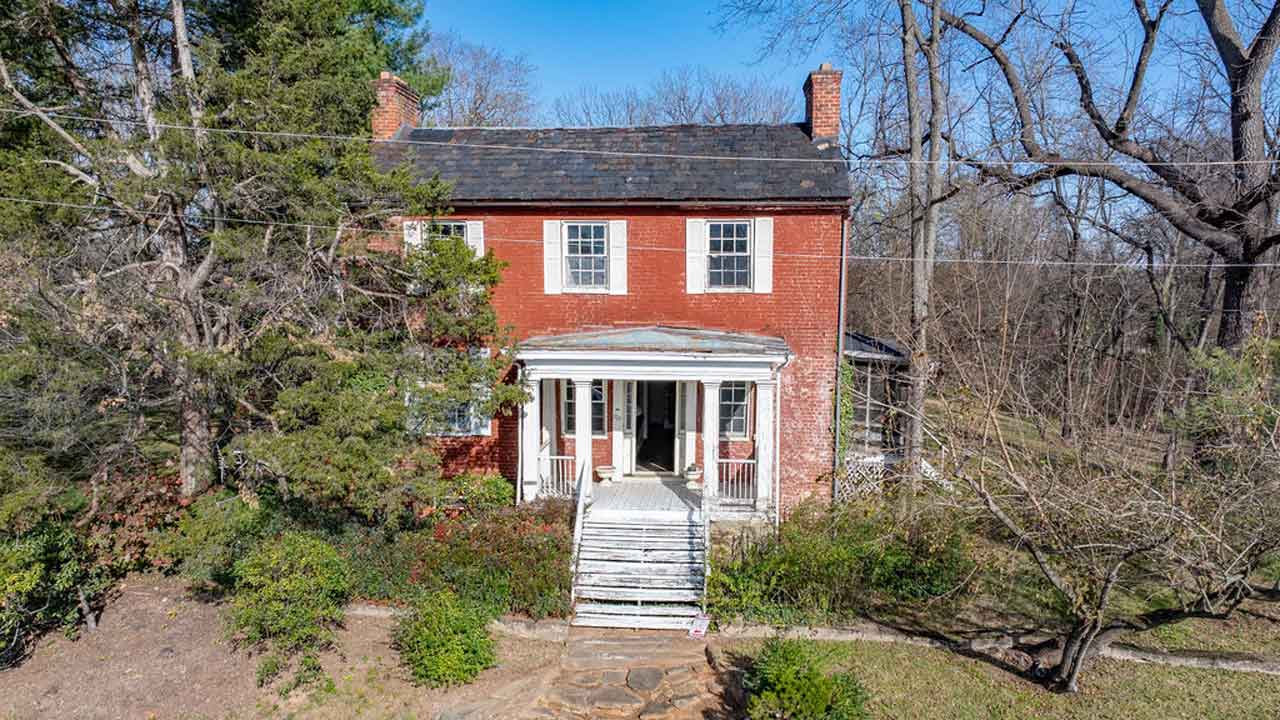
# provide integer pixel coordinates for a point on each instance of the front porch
(637, 404)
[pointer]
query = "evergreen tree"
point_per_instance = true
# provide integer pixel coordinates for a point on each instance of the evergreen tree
(191, 274)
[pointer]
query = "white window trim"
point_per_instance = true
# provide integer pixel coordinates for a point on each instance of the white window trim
(565, 287)
(746, 433)
(431, 226)
(481, 425)
(751, 256)
(566, 398)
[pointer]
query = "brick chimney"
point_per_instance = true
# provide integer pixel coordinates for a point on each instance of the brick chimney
(398, 105)
(822, 103)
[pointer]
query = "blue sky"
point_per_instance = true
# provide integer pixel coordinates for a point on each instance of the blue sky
(611, 44)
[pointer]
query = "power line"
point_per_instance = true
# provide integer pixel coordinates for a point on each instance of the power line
(1029, 262)
(876, 161)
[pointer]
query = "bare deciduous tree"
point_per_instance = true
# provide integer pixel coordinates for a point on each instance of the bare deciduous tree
(685, 95)
(486, 87)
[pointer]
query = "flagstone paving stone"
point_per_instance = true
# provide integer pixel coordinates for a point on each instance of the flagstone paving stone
(632, 674)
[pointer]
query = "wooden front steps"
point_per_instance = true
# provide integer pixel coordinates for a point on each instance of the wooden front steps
(641, 573)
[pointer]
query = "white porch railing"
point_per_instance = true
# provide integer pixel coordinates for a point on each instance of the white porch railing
(736, 480)
(582, 488)
(556, 477)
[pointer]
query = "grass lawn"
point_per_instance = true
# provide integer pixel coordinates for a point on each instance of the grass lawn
(914, 682)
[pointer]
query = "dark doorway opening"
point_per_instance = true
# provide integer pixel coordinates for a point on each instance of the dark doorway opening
(656, 424)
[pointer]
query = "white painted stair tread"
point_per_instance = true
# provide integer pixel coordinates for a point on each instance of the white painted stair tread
(640, 555)
(640, 568)
(690, 582)
(639, 622)
(638, 593)
(639, 535)
(631, 609)
(671, 543)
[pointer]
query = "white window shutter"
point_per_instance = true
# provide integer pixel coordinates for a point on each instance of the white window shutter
(617, 257)
(695, 256)
(551, 264)
(412, 234)
(762, 257)
(475, 237)
(481, 423)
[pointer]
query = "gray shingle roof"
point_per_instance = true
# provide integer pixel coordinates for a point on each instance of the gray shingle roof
(661, 338)
(511, 174)
(865, 347)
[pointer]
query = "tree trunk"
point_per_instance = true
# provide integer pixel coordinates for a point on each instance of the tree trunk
(919, 309)
(1076, 650)
(196, 430)
(1233, 326)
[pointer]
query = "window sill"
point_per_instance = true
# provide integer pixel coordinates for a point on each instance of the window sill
(730, 290)
(585, 291)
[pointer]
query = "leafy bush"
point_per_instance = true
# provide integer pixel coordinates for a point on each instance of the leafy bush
(43, 575)
(475, 491)
(48, 577)
(205, 543)
(513, 559)
(444, 641)
(787, 681)
(135, 502)
(831, 564)
(289, 595)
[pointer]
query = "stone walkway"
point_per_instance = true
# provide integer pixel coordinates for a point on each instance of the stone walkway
(650, 675)
(644, 675)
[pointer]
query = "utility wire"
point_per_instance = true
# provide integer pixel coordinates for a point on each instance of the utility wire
(871, 161)
(356, 230)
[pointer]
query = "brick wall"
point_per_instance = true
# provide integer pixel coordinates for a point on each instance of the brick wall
(802, 309)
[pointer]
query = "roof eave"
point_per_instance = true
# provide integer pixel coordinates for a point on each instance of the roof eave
(633, 202)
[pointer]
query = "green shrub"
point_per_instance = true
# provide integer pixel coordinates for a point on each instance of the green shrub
(511, 559)
(787, 681)
(216, 531)
(46, 565)
(478, 492)
(443, 639)
(830, 565)
(43, 574)
(920, 567)
(289, 594)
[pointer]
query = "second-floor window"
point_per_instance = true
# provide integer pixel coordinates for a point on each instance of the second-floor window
(729, 255)
(586, 256)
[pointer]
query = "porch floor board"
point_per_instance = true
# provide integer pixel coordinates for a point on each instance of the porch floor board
(646, 498)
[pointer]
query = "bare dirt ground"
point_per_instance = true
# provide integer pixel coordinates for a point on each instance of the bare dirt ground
(159, 653)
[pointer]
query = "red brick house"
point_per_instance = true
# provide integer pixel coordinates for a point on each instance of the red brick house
(666, 281)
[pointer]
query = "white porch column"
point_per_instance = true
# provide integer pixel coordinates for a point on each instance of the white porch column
(765, 450)
(711, 437)
(690, 425)
(582, 430)
(617, 443)
(530, 440)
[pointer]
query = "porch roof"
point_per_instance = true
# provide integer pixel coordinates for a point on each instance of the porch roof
(661, 338)
(655, 352)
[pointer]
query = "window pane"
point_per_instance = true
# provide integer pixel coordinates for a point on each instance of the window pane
(734, 405)
(586, 255)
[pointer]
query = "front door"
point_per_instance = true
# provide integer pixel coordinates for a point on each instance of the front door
(655, 426)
